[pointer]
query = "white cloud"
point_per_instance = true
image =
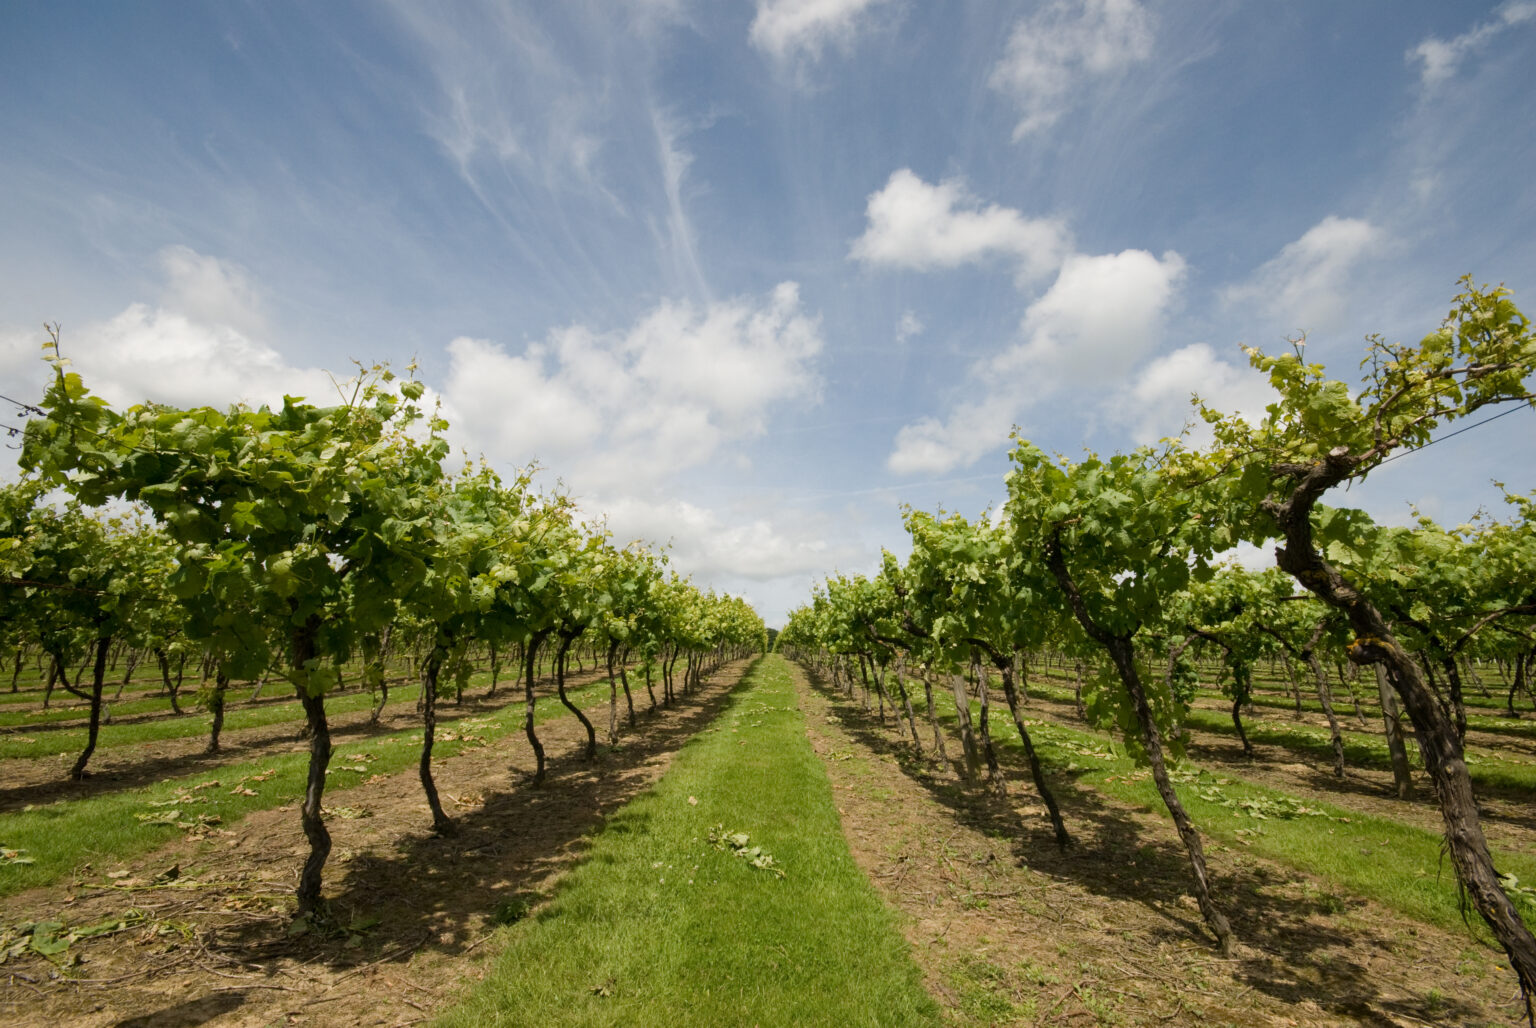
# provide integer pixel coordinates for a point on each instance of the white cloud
(1440, 58)
(1101, 316)
(912, 224)
(674, 161)
(1156, 404)
(201, 344)
(908, 325)
(1308, 282)
(784, 29)
(701, 542)
(1052, 52)
(626, 410)
(211, 291)
(971, 429)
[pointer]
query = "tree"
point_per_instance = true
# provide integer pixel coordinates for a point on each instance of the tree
(299, 518)
(1318, 436)
(1118, 537)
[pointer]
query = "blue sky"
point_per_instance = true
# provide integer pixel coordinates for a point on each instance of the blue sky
(747, 276)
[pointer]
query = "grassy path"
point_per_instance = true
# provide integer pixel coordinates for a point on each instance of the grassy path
(662, 927)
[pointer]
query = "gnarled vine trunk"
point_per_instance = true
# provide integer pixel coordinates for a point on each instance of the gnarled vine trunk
(1123, 655)
(1375, 643)
(530, 656)
(98, 680)
(441, 823)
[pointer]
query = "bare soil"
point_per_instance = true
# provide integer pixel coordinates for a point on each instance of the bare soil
(413, 916)
(1010, 930)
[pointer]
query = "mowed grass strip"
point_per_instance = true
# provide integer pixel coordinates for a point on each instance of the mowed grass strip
(1487, 767)
(20, 744)
(194, 722)
(1377, 858)
(660, 927)
(56, 839)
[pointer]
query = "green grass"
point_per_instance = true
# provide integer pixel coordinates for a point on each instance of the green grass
(1375, 857)
(60, 837)
(659, 927)
(195, 722)
(1361, 749)
(1486, 767)
(72, 740)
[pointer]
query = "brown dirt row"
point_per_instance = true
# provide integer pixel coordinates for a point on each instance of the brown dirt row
(1009, 930)
(413, 915)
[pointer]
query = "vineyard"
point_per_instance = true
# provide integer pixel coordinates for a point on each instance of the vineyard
(301, 726)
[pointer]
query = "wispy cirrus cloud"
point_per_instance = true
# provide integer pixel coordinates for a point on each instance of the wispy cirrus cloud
(1308, 283)
(787, 29)
(1062, 48)
(1439, 59)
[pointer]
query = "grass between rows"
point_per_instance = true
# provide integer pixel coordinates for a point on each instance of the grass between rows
(1361, 749)
(61, 837)
(1397, 865)
(661, 927)
(238, 714)
(192, 724)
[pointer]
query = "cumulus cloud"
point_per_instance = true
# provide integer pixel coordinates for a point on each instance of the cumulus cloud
(1439, 59)
(705, 543)
(784, 29)
(1156, 404)
(200, 344)
(1055, 51)
(614, 414)
(1307, 283)
(912, 224)
(972, 428)
(623, 409)
(1102, 315)
(908, 326)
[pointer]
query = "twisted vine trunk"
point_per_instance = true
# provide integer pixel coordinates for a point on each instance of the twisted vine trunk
(98, 680)
(1458, 700)
(441, 823)
(310, 817)
(1391, 719)
(906, 700)
(629, 699)
(1376, 644)
(1036, 771)
(649, 688)
(995, 776)
(1237, 722)
(560, 658)
(216, 708)
(530, 656)
(1335, 736)
(1123, 655)
(933, 720)
(967, 733)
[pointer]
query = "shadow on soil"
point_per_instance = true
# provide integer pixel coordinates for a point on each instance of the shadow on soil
(1294, 949)
(434, 891)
